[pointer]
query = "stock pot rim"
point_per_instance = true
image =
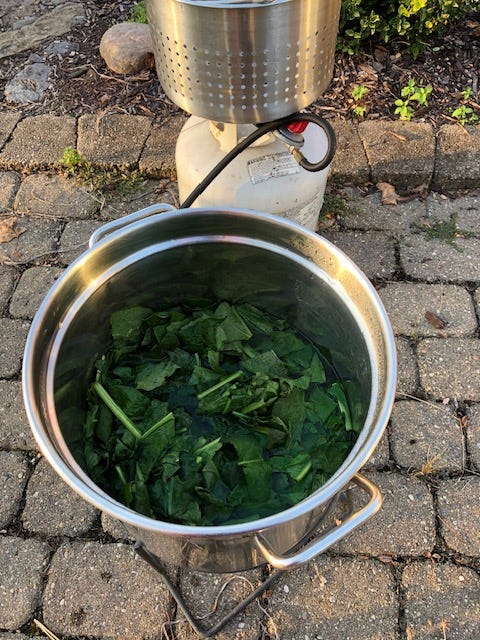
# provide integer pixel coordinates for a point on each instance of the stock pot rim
(79, 481)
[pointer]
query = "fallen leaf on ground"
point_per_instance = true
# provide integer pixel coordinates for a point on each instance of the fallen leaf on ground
(380, 53)
(9, 230)
(389, 195)
(421, 191)
(435, 320)
(475, 27)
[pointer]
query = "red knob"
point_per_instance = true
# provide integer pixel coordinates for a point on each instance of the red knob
(297, 127)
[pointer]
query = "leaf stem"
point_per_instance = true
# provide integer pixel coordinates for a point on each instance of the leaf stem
(253, 406)
(219, 385)
(121, 475)
(117, 411)
(303, 472)
(157, 425)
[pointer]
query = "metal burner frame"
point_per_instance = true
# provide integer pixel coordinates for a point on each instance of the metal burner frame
(208, 632)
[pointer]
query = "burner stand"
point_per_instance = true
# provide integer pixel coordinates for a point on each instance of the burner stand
(208, 632)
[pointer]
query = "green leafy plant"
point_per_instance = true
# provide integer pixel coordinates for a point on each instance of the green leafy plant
(333, 206)
(106, 180)
(445, 230)
(139, 14)
(206, 413)
(358, 93)
(464, 113)
(411, 21)
(70, 159)
(411, 93)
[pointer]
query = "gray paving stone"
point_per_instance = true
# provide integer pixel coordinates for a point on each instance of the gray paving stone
(473, 434)
(15, 432)
(442, 601)
(158, 156)
(422, 310)
(450, 368)
(435, 259)
(349, 164)
(335, 599)
(38, 240)
(112, 139)
(13, 477)
(457, 160)
(115, 528)
(74, 239)
(31, 289)
(55, 22)
(373, 252)
(39, 142)
(459, 514)
(8, 121)
(201, 591)
(13, 334)
(407, 370)
(52, 508)
(7, 280)
(151, 192)
(465, 211)
(405, 525)
(22, 567)
(439, 208)
(426, 437)
(401, 153)
(366, 212)
(103, 590)
(9, 182)
(54, 196)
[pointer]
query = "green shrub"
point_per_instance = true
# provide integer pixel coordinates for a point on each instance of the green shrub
(410, 21)
(138, 13)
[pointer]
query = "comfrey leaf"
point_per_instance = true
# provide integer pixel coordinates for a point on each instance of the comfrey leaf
(337, 391)
(267, 362)
(127, 326)
(214, 413)
(153, 374)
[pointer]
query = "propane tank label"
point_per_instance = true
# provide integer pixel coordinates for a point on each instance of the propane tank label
(274, 165)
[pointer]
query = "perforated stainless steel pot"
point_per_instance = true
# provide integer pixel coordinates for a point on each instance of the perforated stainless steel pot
(151, 257)
(244, 62)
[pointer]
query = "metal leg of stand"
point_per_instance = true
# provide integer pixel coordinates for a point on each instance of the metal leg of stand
(199, 629)
(203, 632)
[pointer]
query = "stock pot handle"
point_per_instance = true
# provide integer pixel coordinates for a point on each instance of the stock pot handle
(327, 539)
(110, 227)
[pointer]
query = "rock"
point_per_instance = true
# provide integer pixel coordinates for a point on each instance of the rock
(29, 85)
(127, 48)
(53, 23)
(61, 48)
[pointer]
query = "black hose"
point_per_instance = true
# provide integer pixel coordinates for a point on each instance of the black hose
(262, 130)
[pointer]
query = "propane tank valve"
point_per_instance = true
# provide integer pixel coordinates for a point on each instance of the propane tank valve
(291, 137)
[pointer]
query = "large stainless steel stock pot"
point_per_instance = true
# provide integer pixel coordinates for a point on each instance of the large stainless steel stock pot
(158, 254)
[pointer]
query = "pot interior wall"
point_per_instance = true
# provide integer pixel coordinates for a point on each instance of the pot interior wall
(241, 270)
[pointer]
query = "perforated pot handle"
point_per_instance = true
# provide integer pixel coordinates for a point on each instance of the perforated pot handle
(115, 225)
(323, 541)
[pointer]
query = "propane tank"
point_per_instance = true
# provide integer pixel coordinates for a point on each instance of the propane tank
(264, 177)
